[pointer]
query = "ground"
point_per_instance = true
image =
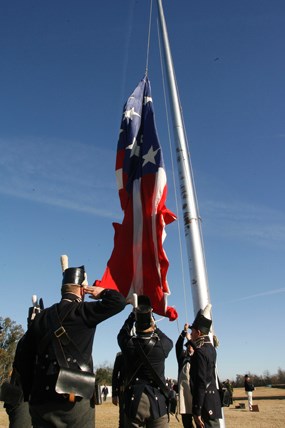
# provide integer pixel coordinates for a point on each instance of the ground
(270, 402)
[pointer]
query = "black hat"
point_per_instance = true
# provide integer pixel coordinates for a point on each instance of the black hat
(202, 321)
(143, 300)
(73, 275)
(144, 317)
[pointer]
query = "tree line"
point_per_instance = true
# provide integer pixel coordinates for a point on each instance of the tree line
(266, 379)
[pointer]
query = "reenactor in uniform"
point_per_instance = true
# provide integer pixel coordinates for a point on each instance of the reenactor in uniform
(71, 342)
(16, 408)
(118, 377)
(183, 357)
(145, 352)
(206, 399)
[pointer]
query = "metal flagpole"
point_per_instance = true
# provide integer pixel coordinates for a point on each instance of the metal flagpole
(192, 221)
(192, 226)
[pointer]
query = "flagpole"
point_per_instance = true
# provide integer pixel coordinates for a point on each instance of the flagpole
(192, 220)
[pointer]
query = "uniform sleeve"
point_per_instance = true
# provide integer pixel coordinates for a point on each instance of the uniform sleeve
(125, 332)
(167, 343)
(111, 303)
(179, 347)
(116, 375)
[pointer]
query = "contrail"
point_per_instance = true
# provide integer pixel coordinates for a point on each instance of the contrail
(253, 296)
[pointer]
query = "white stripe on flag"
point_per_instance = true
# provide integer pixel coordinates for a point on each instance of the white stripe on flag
(137, 282)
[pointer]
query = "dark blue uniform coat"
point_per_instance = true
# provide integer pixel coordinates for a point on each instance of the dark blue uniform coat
(143, 380)
(38, 365)
(206, 398)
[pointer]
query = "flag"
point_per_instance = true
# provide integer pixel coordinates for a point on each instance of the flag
(138, 263)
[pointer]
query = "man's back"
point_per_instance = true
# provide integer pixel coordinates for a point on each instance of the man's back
(142, 388)
(57, 349)
(80, 324)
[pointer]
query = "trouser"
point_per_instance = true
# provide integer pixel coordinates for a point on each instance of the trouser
(187, 420)
(249, 399)
(143, 417)
(19, 416)
(62, 414)
(211, 423)
(121, 410)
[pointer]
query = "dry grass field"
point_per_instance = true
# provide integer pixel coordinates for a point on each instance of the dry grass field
(270, 401)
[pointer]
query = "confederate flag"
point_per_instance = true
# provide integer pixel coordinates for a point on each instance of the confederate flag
(138, 263)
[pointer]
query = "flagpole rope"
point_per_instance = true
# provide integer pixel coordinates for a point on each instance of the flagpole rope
(174, 183)
(148, 38)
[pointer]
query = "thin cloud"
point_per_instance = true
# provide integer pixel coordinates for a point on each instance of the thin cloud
(254, 296)
(68, 174)
(81, 177)
(245, 222)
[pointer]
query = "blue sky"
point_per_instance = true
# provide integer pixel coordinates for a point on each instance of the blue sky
(66, 71)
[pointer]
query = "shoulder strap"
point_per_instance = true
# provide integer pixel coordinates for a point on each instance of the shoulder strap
(156, 378)
(151, 344)
(60, 337)
(57, 330)
(48, 336)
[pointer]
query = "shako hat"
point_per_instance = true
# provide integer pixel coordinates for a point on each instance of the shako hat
(73, 275)
(144, 300)
(143, 314)
(203, 320)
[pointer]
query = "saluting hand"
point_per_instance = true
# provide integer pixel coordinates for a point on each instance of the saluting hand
(187, 333)
(94, 291)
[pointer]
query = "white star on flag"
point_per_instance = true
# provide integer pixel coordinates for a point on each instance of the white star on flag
(135, 149)
(150, 156)
(128, 114)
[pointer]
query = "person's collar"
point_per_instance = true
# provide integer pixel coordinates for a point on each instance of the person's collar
(71, 297)
(145, 334)
(201, 340)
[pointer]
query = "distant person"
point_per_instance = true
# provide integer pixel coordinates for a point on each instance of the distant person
(230, 388)
(206, 399)
(146, 403)
(183, 357)
(172, 401)
(105, 392)
(248, 387)
(118, 377)
(55, 399)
